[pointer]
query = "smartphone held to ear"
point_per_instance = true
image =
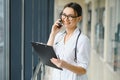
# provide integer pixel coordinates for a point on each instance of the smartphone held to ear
(60, 24)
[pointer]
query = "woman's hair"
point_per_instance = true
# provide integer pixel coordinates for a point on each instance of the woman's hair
(75, 6)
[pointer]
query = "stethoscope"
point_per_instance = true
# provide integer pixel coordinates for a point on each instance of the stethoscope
(75, 59)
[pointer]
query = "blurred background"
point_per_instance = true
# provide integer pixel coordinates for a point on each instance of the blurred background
(23, 21)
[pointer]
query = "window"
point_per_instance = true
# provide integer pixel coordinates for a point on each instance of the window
(4, 31)
(1, 40)
(114, 36)
(89, 6)
(99, 28)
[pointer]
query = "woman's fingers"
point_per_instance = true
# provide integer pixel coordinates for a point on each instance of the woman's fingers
(57, 62)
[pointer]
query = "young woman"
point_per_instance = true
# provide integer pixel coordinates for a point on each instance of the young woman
(71, 46)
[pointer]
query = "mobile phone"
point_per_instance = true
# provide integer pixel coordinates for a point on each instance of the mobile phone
(60, 24)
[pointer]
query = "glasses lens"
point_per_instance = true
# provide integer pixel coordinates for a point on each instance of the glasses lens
(70, 17)
(63, 16)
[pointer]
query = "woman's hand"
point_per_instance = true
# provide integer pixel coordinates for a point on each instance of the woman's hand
(55, 28)
(63, 64)
(59, 63)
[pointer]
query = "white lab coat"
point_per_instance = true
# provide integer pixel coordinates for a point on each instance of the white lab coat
(66, 52)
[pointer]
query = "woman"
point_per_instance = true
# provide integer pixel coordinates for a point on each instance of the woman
(71, 46)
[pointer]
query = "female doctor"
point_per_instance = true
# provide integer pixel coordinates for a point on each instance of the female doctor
(71, 46)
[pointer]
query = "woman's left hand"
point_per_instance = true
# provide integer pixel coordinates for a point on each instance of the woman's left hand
(63, 64)
(59, 63)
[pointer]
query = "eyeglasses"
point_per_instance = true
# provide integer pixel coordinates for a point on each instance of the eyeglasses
(69, 17)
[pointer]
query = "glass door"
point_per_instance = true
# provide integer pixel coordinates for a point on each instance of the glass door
(4, 40)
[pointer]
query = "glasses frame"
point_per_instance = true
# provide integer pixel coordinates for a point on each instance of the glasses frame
(69, 17)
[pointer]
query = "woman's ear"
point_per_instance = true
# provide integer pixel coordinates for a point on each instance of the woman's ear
(79, 18)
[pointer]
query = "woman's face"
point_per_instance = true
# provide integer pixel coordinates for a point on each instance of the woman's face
(70, 18)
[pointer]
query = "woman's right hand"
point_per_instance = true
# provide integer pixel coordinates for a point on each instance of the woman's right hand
(55, 28)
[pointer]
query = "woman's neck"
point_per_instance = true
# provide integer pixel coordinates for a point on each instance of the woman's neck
(70, 31)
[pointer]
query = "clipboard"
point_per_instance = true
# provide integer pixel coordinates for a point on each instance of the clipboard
(45, 52)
